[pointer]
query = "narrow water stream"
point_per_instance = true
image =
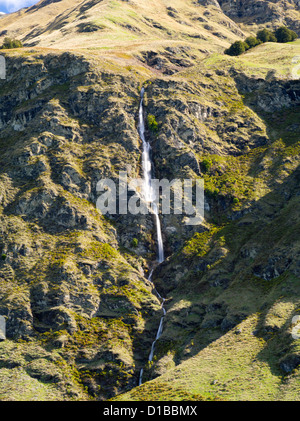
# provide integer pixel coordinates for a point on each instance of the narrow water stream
(148, 191)
(149, 196)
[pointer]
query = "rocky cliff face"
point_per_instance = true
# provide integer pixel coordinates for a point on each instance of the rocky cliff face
(275, 13)
(63, 128)
(79, 310)
(73, 285)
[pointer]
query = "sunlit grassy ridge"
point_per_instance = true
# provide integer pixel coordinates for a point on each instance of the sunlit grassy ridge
(110, 24)
(278, 58)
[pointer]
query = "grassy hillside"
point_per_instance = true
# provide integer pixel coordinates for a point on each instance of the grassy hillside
(81, 316)
(115, 24)
(267, 60)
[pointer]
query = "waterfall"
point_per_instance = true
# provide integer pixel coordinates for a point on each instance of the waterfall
(151, 199)
(148, 191)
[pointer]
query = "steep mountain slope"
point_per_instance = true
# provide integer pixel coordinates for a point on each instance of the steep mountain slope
(53, 241)
(258, 12)
(234, 289)
(81, 316)
(108, 24)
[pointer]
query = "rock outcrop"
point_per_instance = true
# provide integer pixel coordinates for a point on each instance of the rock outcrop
(80, 313)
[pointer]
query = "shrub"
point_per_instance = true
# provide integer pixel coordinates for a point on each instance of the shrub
(237, 48)
(152, 123)
(11, 43)
(252, 42)
(272, 37)
(294, 35)
(266, 36)
(3, 256)
(206, 164)
(212, 192)
(284, 34)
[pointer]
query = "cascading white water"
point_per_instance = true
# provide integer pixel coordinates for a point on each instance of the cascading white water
(150, 198)
(160, 328)
(148, 191)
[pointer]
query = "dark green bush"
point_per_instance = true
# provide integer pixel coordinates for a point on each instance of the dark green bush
(284, 34)
(266, 36)
(11, 43)
(211, 192)
(206, 165)
(237, 48)
(252, 42)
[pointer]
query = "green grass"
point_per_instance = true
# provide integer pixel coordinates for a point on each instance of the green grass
(115, 313)
(234, 367)
(261, 59)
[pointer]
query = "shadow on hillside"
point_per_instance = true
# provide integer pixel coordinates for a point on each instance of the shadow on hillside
(217, 293)
(278, 347)
(276, 102)
(57, 23)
